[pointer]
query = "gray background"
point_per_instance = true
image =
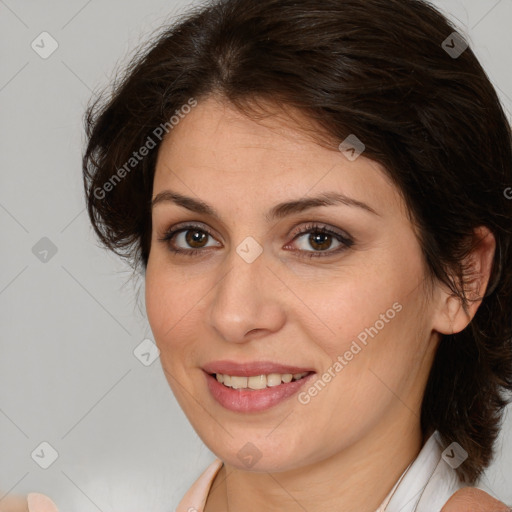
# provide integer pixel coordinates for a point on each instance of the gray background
(68, 375)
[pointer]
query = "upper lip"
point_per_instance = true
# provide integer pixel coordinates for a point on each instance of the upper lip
(251, 369)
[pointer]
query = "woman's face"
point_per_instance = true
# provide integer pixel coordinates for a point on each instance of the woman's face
(258, 283)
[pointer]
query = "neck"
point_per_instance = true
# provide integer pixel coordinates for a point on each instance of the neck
(357, 479)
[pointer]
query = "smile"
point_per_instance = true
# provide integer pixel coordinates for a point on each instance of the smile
(256, 393)
(258, 381)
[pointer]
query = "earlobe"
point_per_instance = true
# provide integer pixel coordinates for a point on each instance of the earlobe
(452, 316)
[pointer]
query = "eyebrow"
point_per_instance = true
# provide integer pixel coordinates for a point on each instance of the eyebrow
(279, 211)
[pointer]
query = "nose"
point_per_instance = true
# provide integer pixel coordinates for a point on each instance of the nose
(248, 301)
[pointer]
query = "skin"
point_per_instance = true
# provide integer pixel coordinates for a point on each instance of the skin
(13, 503)
(474, 500)
(364, 426)
(33, 502)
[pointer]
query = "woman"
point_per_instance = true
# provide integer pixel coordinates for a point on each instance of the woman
(316, 194)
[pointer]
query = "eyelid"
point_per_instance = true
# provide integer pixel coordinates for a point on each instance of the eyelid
(183, 227)
(319, 226)
(303, 227)
(345, 240)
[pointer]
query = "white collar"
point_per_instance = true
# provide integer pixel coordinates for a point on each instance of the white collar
(428, 483)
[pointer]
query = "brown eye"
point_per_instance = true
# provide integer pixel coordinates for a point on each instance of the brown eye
(195, 238)
(189, 239)
(320, 239)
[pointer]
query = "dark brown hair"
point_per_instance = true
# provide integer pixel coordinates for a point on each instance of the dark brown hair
(379, 69)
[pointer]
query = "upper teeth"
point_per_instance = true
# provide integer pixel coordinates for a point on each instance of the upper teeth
(258, 381)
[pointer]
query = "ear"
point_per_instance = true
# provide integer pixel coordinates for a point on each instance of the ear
(451, 317)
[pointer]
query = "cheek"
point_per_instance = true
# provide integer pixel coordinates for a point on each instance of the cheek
(165, 301)
(348, 309)
(173, 305)
(155, 308)
(372, 325)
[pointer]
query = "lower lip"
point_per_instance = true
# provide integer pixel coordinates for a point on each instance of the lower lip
(248, 400)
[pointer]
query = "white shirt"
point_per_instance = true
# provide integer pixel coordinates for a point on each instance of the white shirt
(425, 486)
(428, 483)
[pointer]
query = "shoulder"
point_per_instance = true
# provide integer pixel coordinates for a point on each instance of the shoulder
(471, 499)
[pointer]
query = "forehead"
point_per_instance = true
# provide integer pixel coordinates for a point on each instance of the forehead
(282, 155)
(215, 120)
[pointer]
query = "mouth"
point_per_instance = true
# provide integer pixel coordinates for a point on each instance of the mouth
(256, 392)
(257, 382)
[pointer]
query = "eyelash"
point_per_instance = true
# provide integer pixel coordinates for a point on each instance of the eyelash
(310, 228)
